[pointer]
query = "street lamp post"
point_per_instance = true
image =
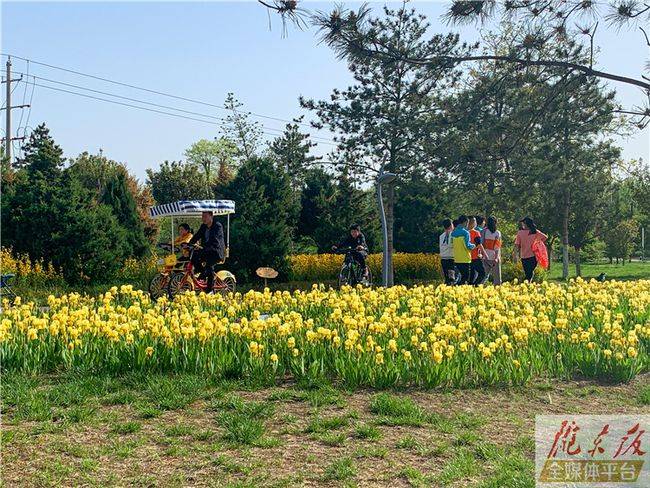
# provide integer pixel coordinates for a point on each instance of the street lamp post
(387, 258)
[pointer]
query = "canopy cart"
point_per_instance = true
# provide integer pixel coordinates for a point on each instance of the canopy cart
(175, 276)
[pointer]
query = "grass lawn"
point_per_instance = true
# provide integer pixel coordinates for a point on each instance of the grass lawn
(156, 430)
(635, 270)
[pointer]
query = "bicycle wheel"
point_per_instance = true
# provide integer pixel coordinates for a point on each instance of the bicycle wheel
(230, 283)
(179, 285)
(368, 280)
(355, 274)
(158, 286)
(344, 276)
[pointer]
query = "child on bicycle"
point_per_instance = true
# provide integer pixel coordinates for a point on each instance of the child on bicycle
(184, 236)
(356, 241)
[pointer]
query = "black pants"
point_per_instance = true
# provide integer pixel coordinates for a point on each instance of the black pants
(210, 258)
(529, 265)
(448, 270)
(465, 272)
(360, 257)
(478, 272)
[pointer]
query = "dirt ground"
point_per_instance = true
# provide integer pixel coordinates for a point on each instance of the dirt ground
(62, 433)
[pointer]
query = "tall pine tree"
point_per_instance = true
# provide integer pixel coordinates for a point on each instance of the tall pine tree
(118, 197)
(384, 119)
(261, 230)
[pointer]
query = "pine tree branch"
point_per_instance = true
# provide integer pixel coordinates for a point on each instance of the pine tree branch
(527, 62)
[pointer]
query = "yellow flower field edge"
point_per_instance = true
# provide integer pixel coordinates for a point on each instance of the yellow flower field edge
(35, 272)
(422, 336)
(315, 268)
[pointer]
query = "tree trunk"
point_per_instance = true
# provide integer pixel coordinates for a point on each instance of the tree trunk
(565, 237)
(390, 219)
(578, 270)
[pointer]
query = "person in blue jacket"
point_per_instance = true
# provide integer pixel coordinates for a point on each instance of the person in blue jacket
(462, 246)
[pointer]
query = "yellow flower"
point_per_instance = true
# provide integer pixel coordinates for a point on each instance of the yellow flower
(149, 351)
(274, 358)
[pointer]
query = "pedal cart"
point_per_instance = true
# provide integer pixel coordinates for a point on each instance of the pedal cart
(175, 276)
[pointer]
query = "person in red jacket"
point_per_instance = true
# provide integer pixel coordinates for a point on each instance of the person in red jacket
(477, 272)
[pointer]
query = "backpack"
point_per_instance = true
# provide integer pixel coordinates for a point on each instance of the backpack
(541, 254)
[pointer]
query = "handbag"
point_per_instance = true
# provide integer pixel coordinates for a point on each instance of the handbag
(541, 254)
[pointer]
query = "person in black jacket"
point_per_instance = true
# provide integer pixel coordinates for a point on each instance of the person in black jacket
(357, 241)
(213, 247)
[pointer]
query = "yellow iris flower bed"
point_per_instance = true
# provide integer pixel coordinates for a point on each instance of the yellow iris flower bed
(319, 267)
(424, 335)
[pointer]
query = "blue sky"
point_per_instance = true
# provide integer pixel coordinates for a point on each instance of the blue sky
(200, 51)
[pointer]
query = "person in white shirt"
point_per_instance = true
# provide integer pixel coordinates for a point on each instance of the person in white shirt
(492, 243)
(447, 253)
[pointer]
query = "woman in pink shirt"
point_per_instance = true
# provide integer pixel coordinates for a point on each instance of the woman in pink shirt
(524, 244)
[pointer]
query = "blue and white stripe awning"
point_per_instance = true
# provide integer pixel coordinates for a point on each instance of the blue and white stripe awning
(189, 208)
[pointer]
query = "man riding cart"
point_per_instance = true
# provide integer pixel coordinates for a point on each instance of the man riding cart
(213, 249)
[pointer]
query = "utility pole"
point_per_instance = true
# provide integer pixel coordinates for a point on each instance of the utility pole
(8, 108)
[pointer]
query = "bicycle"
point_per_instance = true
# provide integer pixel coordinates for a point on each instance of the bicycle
(168, 266)
(351, 272)
(224, 281)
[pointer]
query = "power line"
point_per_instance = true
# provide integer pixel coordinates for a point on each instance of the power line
(166, 107)
(29, 111)
(22, 112)
(4, 104)
(135, 87)
(148, 109)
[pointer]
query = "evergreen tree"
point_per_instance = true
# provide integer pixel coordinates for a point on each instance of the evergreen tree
(88, 243)
(261, 230)
(579, 114)
(420, 206)
(118, 197)
(51, 215)
(317, 202)
(355, 206)
(292, 151)
(589, 186)
(245, 133)
(392, 111)
(94, 171)
(41, 154)
(31, 218)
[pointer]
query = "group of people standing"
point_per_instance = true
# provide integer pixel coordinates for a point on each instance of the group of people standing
(470, 249)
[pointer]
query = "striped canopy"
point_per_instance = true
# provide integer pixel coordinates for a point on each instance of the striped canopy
(188, 208)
